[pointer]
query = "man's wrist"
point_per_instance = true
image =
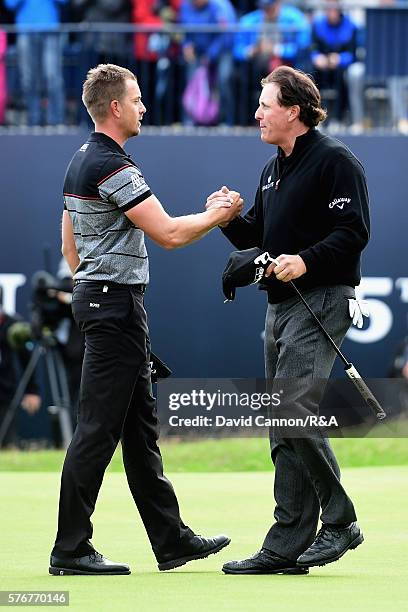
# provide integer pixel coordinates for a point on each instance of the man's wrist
(303, 263)
(216, 216)
(307, 257)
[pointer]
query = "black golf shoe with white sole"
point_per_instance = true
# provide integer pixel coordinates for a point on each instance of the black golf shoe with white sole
(93, 564)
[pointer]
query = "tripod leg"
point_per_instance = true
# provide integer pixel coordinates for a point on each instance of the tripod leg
(20, 391)
(60, 395)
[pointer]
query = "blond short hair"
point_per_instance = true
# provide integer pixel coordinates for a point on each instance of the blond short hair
(103, 84)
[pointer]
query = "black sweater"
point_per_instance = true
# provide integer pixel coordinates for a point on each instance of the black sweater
(313, 203)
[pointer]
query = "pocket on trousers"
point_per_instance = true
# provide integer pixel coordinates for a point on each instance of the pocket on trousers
(93, 304)
(336, 310)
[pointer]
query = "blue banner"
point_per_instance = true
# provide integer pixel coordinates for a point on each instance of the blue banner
(191, 327)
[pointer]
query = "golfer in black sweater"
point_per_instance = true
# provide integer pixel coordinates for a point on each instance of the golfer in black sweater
(311, 213)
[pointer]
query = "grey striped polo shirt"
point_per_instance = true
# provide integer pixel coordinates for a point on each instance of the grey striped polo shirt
(101, 184)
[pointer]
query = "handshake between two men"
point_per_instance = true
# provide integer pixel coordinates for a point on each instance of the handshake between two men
(289, 267)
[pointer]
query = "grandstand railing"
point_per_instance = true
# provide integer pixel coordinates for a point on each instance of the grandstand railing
(161, 70)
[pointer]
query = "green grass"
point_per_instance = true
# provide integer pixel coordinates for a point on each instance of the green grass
(224, 455)
(371, 578)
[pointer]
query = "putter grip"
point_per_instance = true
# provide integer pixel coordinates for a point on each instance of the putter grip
(365, 392)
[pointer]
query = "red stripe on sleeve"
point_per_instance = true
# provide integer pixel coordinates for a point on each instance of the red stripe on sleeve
(112, 173)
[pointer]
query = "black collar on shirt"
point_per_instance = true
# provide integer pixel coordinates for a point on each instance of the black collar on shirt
(283, 163)
(301, 143)
(108, 141)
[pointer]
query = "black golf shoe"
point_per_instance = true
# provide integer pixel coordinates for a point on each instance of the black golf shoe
(93, 564)
(330, 544)
(264, 562)
(195, 548)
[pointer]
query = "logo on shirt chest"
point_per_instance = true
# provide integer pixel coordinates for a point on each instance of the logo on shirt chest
(269, 184)
(339, 202)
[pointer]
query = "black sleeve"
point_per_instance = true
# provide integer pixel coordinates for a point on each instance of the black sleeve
(247, 232)
(346, 213)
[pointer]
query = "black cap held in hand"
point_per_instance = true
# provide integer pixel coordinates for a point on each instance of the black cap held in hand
(244, 268)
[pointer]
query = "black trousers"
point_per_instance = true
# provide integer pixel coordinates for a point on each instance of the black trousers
(116, 403)
(307, 475)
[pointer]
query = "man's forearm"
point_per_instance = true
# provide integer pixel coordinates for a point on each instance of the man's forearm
(187, 229)
(72, 259)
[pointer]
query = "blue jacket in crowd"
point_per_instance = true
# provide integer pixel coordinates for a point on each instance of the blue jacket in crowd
(292, 43)
(214, 12)
(35, 12)
(338, 38)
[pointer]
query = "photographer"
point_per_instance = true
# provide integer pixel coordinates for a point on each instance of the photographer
(31, 401)
(56, 338)
(49, 332)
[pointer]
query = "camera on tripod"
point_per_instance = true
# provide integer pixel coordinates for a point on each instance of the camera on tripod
(51, 299)
(50, 305)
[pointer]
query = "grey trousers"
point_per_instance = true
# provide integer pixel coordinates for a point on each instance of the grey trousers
(307, 475)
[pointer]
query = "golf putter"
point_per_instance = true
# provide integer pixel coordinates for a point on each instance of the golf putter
(349, 368)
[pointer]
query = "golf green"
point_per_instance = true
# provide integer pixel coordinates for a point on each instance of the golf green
(373, 577)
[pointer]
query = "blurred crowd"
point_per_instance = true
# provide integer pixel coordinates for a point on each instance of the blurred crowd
(193, 77)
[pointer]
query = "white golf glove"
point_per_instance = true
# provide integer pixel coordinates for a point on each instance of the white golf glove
(357, 310)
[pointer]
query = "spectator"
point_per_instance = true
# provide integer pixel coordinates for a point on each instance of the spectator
(259, 52)
(355, 77)
(334, 44)
(213, 49)
(398, 86)
(101, 47)
(3, 81)
(40, 57)
(105, 47)
(285, 46)
(5, 17)
(156, 54)
(151, 13)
